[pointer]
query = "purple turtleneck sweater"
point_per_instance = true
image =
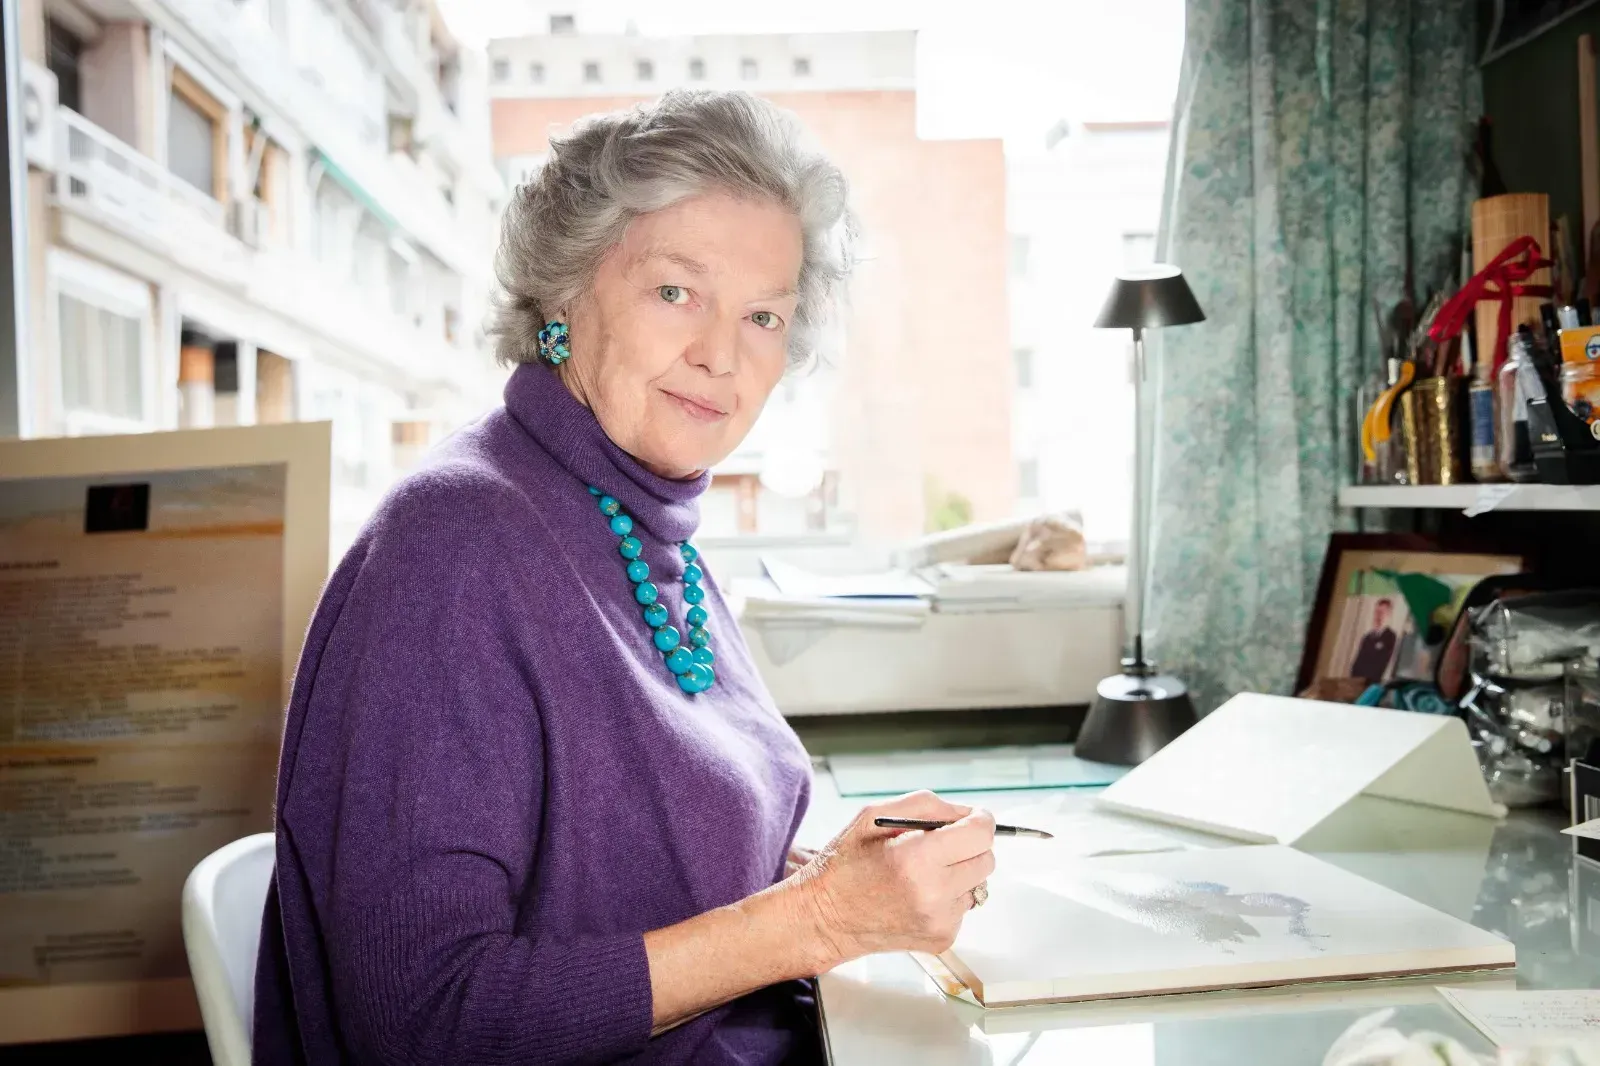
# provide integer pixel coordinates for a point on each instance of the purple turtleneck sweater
(491, 786)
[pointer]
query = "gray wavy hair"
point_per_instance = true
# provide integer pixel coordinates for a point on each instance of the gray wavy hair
(613, 168)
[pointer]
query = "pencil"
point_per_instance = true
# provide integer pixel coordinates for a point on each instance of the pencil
(924, 823)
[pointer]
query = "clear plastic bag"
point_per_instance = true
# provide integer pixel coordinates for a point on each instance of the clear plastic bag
(1522, 647)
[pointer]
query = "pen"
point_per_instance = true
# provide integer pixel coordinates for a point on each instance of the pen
(923, 823)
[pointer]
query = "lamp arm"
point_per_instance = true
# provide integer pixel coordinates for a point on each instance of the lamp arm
(1138, 538)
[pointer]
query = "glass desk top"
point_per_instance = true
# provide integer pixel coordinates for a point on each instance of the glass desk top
(1518, 878)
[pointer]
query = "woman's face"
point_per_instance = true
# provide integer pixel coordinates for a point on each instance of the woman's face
(684, 333)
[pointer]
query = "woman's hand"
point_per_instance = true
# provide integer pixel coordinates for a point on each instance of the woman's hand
(799, 858)
(876, 889)
(870, 890)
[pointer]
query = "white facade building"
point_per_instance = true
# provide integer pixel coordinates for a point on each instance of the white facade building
(259, 210)
(1082, 206)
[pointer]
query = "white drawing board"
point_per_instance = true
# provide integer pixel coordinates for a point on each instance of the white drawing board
(1268, 769)
(1199, 920)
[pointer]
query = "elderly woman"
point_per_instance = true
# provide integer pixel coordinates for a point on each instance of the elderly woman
(535, 804)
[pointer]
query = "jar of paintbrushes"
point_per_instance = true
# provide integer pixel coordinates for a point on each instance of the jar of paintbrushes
(1413, 428)
(1433, 410)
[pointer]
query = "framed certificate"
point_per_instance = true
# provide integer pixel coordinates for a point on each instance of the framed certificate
(154, 591)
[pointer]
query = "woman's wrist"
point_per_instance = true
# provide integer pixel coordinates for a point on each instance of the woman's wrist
(818, 946)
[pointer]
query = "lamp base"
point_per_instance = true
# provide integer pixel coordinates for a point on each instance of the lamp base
(1136, 713)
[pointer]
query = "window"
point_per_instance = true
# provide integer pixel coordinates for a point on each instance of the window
(1138, 250)
(1022, 360)
(1019, 255)
(102, 364)
(274, 388)
(63, 54)
(197, 147)
(1028, 479)
(831, 462)
(271, 189)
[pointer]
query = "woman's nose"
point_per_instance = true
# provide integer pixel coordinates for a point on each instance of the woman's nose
(716, 350)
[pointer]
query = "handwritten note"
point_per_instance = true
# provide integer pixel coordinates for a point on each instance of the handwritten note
(1511, 1019)
(1489, 497)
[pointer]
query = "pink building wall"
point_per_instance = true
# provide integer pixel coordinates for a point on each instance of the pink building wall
(926, 384)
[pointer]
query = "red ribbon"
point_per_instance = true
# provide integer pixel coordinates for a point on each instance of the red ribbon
(1500, 281)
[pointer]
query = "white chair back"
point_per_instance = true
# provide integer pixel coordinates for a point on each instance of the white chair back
(222, 905)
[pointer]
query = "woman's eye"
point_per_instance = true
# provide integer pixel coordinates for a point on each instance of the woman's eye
(767, 320)
(674, 294)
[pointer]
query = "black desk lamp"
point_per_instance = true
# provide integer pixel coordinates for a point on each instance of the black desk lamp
(1138, 711)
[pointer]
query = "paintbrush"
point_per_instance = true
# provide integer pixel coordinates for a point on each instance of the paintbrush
(929, 825)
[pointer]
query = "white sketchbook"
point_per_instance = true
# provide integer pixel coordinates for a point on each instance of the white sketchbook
(1200, 920)
(1268, 769)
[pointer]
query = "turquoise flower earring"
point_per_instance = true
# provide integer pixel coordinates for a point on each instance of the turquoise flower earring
(553, 343)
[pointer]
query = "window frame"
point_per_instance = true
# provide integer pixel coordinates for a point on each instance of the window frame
(183, 84)
(104, 289)
(271, 188)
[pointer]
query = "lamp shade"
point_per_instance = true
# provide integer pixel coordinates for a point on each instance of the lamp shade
(1148, 298)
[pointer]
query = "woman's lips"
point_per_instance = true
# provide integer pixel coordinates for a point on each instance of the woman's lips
(697, 406)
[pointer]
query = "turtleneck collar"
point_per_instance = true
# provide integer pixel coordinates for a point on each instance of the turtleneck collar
(573, 437)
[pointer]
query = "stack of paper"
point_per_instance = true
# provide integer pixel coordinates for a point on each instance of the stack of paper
(1566, 1017)
(958, 587)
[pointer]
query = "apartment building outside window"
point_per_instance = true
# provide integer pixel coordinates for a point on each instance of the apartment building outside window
(748, 69)
(645, 70)
(1138, 250)
(502, 70)
(697, 69)
(1028, 479)
(1022, 360)
(102, 338)
(591, 72)
(536, 73)
(1019, 246)
(64, 53)
(802, 67)
(197, 144)
(102, 368)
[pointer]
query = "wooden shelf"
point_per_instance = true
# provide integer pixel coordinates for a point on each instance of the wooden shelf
(1475, 499)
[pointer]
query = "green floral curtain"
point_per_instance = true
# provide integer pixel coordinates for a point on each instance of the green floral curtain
(1317, 144)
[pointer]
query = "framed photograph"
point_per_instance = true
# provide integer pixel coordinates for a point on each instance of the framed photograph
(154, 592)
(1385, 604)
(1513, 23)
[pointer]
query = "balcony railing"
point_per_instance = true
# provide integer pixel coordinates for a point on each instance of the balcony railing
(114, 180)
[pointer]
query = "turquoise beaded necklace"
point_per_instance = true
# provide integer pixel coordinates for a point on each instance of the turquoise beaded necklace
(691, 665)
